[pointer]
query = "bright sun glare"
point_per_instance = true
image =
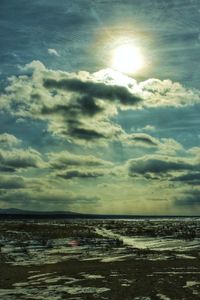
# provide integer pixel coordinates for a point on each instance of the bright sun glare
(127, 59)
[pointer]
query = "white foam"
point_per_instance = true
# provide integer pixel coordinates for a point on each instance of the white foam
(153, 243)
(163, 297)
(93, 276)
(191, 284)
(86, 290)
(116, 258)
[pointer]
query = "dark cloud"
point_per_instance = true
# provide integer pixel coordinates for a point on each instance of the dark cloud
(11, 182)
(86, 134)
(95, 89)
(6, 169)
(88, 105)
(143, 139)
(192, 178)
(77, 130)
(85, 105)
(190, 199)
(19, 158)
(157, 165)
(80, 174)
(87, 131)
(44, 199)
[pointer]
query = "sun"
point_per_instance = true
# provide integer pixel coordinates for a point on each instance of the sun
(127, 59)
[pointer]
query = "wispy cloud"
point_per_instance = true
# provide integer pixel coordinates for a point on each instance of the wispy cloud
(53, 52)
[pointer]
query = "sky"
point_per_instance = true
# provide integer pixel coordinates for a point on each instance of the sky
(79, 134)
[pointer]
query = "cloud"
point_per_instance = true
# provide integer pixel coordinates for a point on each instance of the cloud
(77, 131)
(168, 146)
(53, 52)
(158, 165)
(146, 128)
(42, 193)
(173, 170)
(192, 178)
(6, 169)
(189, 199)
(8, 140)
(85, 133)
(150, 144)
(44, 199)
(11, 182)
(94, 89)
(78, 173)
(78, 166)
(142, 139)
(80, 106)
(64, 159)
(20, 159)
(85, 105)
(167, 93)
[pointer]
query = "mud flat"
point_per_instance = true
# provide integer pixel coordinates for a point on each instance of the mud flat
(99, 259)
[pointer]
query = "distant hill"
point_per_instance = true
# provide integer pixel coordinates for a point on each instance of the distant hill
(16, 211)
